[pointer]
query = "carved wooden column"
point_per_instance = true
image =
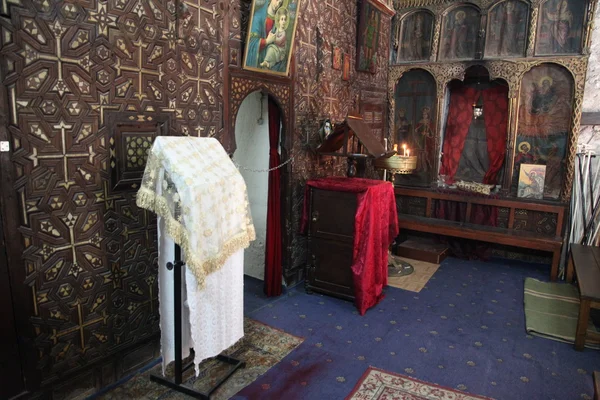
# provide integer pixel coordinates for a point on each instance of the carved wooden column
(532, 29)
(578, 67)
(511, 73)
(391, 114)
(436, 38)
(441, 92)
(589, 27)
(394, 76)
(510, 142)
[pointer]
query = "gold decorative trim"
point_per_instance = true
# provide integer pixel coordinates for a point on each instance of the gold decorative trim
(147, 198)
(435, 43)
(587, 42)
(532, 31)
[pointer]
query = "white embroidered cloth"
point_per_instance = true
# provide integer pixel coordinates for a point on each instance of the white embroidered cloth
(209, 215)
(201, 202)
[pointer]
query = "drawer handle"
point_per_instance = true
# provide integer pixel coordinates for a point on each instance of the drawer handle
(315, 216)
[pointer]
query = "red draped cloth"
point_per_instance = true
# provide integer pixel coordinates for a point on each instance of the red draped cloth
(460, 116)
(375, 227)
(495, 115)
(273, 270)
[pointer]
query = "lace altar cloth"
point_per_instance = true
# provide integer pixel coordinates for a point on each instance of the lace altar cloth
(193, 184)
(201, 202)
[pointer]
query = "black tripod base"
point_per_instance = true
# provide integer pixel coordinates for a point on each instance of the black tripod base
(185, 389)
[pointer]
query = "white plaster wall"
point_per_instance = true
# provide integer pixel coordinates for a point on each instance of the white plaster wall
(252, 152)
(591, 98)
(590, 136)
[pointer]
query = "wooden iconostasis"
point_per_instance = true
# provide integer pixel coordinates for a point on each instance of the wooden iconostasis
(522, 61)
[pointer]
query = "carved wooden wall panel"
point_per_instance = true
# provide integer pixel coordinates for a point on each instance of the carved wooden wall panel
(89, 253)
(321, 93)
(318, 91)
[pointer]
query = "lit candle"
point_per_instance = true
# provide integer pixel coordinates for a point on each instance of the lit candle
(404, 148)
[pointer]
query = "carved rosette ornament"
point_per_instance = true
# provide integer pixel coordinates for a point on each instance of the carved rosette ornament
(510, 71)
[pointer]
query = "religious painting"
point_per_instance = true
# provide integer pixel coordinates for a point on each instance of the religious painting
(459, 34)
(531, 181)
(415, 124)
(271, 33)
(560, 27)
(346, 67)
(336, 54)
(368, 38)
(412, 37)
(325, 130)
(507, 29)
(545, 109)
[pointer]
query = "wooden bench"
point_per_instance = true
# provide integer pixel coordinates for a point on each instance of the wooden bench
(506, 236)
(586, 260)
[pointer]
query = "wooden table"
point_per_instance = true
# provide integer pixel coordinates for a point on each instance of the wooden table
(586, 261)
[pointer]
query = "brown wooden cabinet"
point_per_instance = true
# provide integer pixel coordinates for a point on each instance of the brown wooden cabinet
(330, 242)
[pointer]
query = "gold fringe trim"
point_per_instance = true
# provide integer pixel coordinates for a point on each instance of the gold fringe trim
(149, 200)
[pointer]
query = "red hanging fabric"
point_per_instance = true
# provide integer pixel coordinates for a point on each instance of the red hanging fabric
(495, 114)
(460, 116)
(273, 270)
(375, 227)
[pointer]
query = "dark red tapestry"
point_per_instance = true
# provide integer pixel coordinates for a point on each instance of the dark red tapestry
(495, 115)
(457, 128)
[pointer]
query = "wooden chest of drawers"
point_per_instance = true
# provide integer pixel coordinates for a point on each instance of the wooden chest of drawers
(330, 242)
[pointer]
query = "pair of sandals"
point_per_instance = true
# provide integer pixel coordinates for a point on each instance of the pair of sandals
(398, 267)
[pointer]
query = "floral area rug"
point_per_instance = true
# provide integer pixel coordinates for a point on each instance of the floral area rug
(262, 347)
(377, 384)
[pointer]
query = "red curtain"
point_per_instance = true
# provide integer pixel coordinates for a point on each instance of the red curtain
(457, 128)
(495, 114)
(273, 271)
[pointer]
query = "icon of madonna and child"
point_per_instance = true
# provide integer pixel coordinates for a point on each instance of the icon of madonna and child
(271, 36)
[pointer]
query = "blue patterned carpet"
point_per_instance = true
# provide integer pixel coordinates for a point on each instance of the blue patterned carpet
(465, 330)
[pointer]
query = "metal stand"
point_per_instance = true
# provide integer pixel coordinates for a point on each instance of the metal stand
(177, 384)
